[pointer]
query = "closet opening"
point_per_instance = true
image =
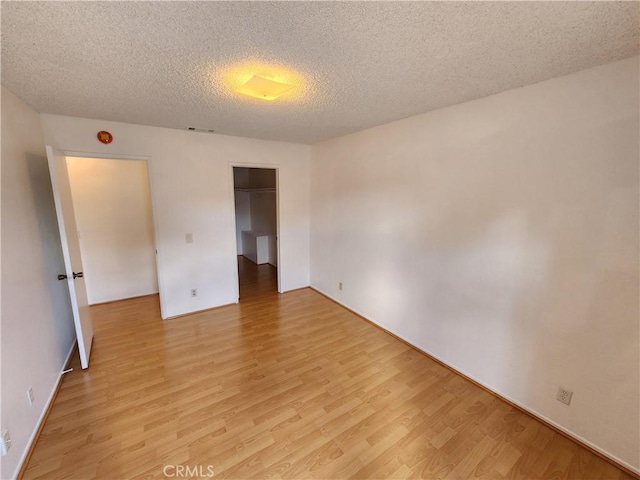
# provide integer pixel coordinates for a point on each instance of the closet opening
(256, 226)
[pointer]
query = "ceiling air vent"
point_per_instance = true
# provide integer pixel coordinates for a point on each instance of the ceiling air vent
(201, 130)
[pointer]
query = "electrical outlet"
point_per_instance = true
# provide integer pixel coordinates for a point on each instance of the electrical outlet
(194, 292)
(339, 285)
(5, 442)
(564, 395)
(30, 397)
(188, 237)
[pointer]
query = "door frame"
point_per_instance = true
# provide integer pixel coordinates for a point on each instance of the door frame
(145, 158)
(264, 166)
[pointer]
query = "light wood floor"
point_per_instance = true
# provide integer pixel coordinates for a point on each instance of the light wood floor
(283, 386)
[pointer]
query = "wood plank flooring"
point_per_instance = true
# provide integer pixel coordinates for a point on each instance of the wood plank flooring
(282, 386)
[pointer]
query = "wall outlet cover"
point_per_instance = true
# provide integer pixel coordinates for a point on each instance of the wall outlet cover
(564, 395)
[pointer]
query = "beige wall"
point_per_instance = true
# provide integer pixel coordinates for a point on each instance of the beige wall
(501, 236)
(112, 204)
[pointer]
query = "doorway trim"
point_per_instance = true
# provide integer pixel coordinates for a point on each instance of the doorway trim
(145, 158)
(264, 166)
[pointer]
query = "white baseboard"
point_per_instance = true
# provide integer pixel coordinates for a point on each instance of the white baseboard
(45, 410)
(500, 394)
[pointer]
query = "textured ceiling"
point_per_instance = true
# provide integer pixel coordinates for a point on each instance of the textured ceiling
(355, 64)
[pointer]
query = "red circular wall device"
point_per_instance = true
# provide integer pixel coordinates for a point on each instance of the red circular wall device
(105, 137)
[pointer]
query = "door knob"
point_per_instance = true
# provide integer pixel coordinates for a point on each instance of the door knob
(62, 277)
(76, 275)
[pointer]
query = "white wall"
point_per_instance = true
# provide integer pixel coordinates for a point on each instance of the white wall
(501, 236)
(263, 212)
(262, 178)
(264, 220)
(263, 204)
(243, 216)
(112, 205)
(241, 177)
(37, 326)
(192, 192)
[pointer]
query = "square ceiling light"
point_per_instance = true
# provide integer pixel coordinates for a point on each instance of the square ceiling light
(263, 88)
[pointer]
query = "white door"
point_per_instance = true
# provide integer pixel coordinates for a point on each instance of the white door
(71, 252)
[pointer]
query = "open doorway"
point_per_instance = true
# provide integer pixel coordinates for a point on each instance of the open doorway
(256, 223)
(112, 205)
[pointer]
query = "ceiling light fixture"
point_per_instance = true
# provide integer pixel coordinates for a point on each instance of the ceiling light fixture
(258, 79)
(263, 88)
